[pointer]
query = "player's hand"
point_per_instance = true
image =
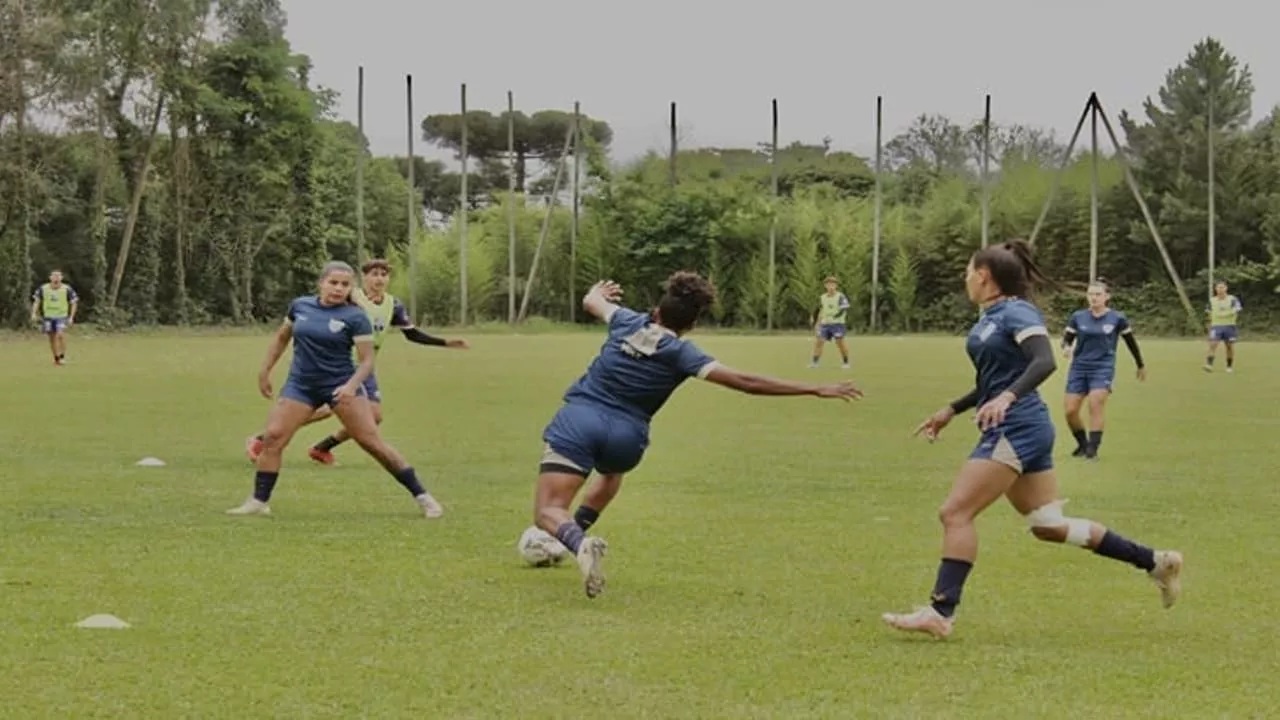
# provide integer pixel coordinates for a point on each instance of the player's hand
(934, 424)
(1142, 374)
(1066, 352)
(609, 290)
(845, 391)
(992, 414)
(264, 386)
(458, 344)
(345, 392)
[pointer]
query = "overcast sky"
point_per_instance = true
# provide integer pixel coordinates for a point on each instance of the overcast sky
(824, 60)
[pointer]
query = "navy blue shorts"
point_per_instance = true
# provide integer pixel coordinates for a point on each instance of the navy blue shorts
(1084, 380)
(583, 438)
(834, 331)
(53, 326)
(1024, 443)
(1224, 333)
(313, 394)
(371, 390)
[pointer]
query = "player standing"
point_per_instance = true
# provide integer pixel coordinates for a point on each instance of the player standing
(1010, 349)
(603, 425)
(831, 321)
(53, 306)
(1224, 313)
(325, 330)
(1093, 332)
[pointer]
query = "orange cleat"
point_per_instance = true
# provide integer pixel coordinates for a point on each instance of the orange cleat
(253, 448)
(324, 457)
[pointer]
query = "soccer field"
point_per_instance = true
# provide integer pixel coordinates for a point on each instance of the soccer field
(750, 555)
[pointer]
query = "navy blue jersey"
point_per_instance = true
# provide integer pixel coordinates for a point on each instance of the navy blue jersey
(994, 346)
(323, 339)
(1096, 337)
(639, 366)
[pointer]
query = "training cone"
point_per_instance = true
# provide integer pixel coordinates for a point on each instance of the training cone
(151, 462)
(102, 622)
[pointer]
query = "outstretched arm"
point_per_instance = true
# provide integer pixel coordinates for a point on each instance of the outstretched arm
(601, 301)
(400, 319)
(752, 384)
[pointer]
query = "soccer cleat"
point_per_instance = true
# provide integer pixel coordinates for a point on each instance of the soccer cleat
(252, 506)
(1080, 451)
(924, 619)
(590, 561)
(430, 507)
(1230, 370)
(253, 448)
(1208, 368)
(324, 457)
(813, 366)
(1167, 575)
(844, 366)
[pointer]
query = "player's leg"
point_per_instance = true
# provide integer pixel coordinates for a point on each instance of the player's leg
(981, 481)
(287, 415)
(322, 452)
(253, 445)
(356, 415)
(844, 349)
(1072, 401)
(50, 330)
(819, 342)
(60, 342)
(599, 494)
(1213, 350)
(1097, 399)
(1230, 342)
(1035, 497)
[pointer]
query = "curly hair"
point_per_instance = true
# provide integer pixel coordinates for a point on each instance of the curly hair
(685, 297)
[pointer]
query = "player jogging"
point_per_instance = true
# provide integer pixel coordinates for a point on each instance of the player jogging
(831, 322)
(1010, 349)
(325, 329)
(1093, 332)
(384, 311)
(1224, 312)
(53, 306)
(603, 425)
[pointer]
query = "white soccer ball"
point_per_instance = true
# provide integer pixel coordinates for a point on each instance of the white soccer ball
(538, 548)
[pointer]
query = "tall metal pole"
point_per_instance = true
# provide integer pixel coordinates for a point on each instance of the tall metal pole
(773, 223)
(413, 203)
(462, 218)
(875, 227)
(1212, 196)
(986, 176)
(511, 208)
(360, 167)
(1093, 195)
(674, 146)
(573, 226)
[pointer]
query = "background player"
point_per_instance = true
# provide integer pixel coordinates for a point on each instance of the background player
(53, 306)
(603, 425)
(1224, 312)
(831, 322)
(1093, 331)
(325, 329)
(1010, 349)
(384, 311)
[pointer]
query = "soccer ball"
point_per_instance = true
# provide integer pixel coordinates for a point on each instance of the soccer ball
(538, 548)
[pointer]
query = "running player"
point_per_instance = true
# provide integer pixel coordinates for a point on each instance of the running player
(1224, 312)
(53, 306)
(1011, 351)
(325, 329)
(1093, 365)
(603, 425)
(384, 311)
(831, 322)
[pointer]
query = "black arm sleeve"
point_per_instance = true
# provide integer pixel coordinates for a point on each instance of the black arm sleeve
(1132, 343)
(968, 402)
(1039, 351)
(415, 335)
(1068, 338)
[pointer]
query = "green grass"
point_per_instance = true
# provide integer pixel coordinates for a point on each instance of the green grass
(751, 554)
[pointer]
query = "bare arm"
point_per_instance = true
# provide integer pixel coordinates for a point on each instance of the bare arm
(758, 384)
(279, 342)
(601, 300)
(364, 356)
(72, 317)
(35, 309)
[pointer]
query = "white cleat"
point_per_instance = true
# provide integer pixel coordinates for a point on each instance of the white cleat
(590, 561)
(1167, 575)
(925, 620)
(430, 507)
(252, 506)
(1230, 370)
(844, 366)
(1208, 368)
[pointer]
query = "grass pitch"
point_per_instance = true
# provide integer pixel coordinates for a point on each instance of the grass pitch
(750, 555)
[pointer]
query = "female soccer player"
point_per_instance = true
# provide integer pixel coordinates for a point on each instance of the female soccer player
(325, 329)
(1224, 312)
(385, 312)
(831, 322)
(604, 424)
(53, 306)
(1010, 349)
(1093, 365)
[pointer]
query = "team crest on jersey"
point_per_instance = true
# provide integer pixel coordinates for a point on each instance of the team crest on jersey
(336, 326)
(985, 331)
(1106, 329)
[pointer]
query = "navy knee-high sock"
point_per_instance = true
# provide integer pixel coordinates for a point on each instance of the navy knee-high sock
(949, 585)
(264, 483)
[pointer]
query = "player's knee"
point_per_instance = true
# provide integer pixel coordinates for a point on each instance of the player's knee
(952, 516)
(377, 414)
(1050, 525)
(273, 438)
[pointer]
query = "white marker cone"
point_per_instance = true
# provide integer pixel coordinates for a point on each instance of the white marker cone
(109, 622)
(151, 462)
